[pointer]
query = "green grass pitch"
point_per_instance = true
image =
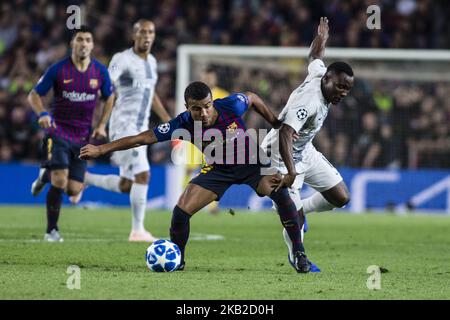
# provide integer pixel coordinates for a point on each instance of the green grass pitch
(229, 257)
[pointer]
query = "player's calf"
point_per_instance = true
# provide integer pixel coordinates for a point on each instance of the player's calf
(179, 229)
(291, 219)
(53, 202)
(110, 182)
(336, 197)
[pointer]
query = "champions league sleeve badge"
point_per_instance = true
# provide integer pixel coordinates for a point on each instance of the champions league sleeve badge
(164, 128)
(302, 114)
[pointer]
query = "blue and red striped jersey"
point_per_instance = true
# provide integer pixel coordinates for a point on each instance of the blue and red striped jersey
(228, 133)
(75, 97)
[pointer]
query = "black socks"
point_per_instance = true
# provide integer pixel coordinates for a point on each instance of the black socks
(179, 229)
(54, 200)
(289, 217)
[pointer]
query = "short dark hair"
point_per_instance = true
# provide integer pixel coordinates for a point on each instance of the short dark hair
(197, 91)
(139, 22)
(339, 67)
(82, 28)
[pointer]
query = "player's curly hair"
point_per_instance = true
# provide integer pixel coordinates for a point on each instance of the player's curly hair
(197, 91)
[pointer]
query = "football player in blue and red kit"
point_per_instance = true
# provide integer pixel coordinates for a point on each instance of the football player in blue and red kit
(76, 82)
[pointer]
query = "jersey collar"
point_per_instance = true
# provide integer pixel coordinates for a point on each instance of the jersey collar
(135, 54)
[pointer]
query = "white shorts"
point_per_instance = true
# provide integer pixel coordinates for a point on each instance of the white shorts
(317, 172)
(132, 161)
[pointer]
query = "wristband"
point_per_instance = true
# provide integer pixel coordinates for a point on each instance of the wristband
(43, 114)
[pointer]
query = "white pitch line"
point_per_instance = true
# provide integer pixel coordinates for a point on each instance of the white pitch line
(66, 240)
(207, 237)
(193, 237)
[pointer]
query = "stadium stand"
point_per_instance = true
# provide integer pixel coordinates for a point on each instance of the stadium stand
(402, 126)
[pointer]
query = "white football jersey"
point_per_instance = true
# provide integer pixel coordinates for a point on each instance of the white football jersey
(305, 112)
(134, 80)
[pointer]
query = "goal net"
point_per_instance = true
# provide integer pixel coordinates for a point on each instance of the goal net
(390, 87)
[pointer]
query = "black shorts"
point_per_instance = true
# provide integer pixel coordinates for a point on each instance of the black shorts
(218, 178)
(60, 153)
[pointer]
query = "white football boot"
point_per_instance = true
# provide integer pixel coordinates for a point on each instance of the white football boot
(141, 236)
(53, 236)
(38, 184)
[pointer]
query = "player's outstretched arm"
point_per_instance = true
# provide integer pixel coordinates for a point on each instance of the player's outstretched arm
(91, 152)
(317, 50)
(260, 107)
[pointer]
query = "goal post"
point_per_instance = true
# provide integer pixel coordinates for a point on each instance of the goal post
(288, 66)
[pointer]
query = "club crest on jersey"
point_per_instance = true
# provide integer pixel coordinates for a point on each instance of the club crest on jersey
(302, 114)
(93, 83)
(232, 127)
(164, 128)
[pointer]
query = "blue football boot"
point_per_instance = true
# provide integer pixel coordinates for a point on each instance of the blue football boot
(297, 261)
(305, 225)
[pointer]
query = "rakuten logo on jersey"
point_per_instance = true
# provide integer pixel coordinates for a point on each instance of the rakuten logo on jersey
(78, 97)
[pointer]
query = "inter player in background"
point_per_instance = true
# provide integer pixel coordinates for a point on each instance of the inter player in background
(304, 114)
(242, 166)
(134, 75)
(76, 82)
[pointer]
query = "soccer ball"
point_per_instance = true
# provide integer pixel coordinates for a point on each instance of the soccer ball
(163, 256)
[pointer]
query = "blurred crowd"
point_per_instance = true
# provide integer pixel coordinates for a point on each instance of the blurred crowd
(380, 124)
(401, 125)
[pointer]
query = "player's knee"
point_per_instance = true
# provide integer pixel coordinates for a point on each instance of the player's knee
(125, 185)
(183, 204)
(142, 178)
(125, 188)
(187, 203)
(339, 196)
(73, 191)
(344, 198)
(59, 181)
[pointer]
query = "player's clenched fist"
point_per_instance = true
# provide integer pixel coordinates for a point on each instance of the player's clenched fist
(99, 132)
(46, 122)
(90, 151)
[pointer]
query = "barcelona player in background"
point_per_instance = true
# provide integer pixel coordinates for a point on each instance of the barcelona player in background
(76, 81)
